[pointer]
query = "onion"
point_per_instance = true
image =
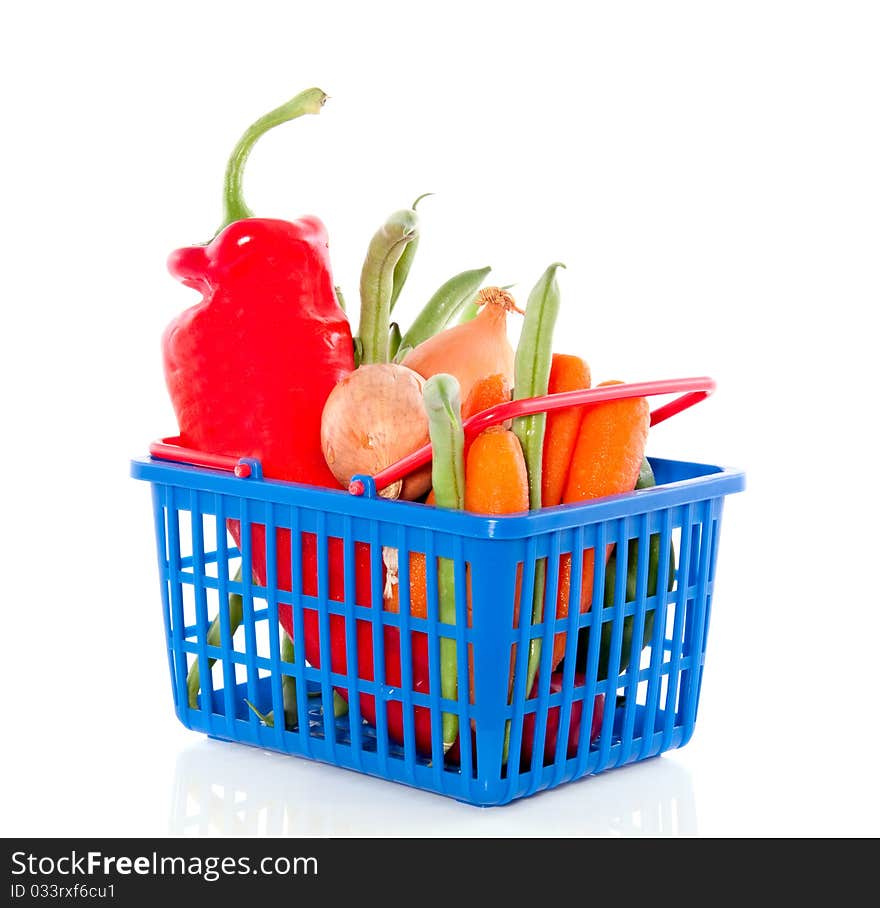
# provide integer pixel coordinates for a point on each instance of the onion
(372, 418)
(472, 350)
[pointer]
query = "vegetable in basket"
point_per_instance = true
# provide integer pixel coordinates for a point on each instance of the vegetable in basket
(471, 350)
(567, 373)
(534, 354)
(250, 366)
(375, 415)
(443, 405)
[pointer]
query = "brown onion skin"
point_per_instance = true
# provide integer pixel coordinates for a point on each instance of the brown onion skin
(372, 418)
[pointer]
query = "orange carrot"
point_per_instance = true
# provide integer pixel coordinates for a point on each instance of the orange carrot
(496, 482)
(567, 373)
(607, 457)
(610, 449)
(489, 391)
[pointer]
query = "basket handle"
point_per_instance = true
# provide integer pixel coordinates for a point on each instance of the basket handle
(692, 391)
(171, 449)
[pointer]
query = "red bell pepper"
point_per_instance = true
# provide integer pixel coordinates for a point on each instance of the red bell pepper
(250, 366)
(249, 369)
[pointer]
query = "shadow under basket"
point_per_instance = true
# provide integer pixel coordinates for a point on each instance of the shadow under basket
(247, 565)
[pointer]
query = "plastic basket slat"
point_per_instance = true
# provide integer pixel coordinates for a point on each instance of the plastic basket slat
(696, 641)
(561, 762)
(639, 617)
(378, 640)
(306, 741)
(201, 602)
(351, 649)
(406, 656)
(278, 713)
(176, 612)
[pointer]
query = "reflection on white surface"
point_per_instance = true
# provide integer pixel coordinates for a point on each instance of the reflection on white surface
(227, 789)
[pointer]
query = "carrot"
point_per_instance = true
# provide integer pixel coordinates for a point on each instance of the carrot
(496, 482)
(487, 392)
(567, 373)
(607, 457)
(609, 450)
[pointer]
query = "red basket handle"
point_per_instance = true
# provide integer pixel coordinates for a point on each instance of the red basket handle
(171, 449)
(695, 390)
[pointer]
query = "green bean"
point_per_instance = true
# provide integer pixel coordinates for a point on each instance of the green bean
(288, 684)
(377, 282)
(401, 269)
(340, 298)
(234, 610)
(443, 405)
(288, 691)
(288, 694)
(401, 354)
(531, 370)
(469, 312)
(534, 354)
(393, 341)
(444, 305)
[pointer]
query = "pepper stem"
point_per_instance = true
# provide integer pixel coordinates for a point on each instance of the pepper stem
(309, 101)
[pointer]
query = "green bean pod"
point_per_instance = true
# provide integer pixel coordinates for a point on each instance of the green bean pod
(402, 268)
(443, 405)
(377, 282)
(288, 694)
(401, 354)
(235, 609)
(469, 312)
(393, 341)
(449, 299)
(534, 354)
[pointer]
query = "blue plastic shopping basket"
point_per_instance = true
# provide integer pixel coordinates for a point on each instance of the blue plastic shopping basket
(627, 687)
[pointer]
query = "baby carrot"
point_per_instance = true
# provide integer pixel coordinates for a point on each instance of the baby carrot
(496, 481)
(609, 450)
(607, 457)
(567, 373)
(485, 393)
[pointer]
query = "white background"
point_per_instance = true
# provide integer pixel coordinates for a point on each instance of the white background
(709, 174)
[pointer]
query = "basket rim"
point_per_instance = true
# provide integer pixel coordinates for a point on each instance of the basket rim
(701, 482)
